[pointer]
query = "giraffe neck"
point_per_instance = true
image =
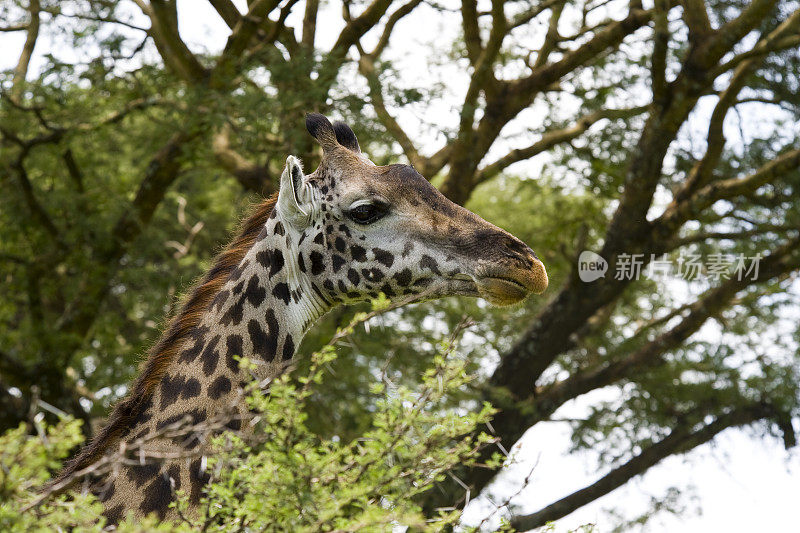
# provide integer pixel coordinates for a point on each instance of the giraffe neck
(264, 309)
(261, 313)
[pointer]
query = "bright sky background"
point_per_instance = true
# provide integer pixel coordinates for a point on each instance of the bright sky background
(742, 483)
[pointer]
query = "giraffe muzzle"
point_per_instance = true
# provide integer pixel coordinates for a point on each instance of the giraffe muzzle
(506, 286)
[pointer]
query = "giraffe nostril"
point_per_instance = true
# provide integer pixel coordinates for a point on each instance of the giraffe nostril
(520, 252)
(524, 260)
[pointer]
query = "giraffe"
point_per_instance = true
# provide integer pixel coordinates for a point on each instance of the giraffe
(342, 234)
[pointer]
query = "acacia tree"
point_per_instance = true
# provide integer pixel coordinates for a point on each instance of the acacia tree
(97, 173)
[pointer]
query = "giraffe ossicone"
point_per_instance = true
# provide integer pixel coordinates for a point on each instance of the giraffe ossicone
(342, 234)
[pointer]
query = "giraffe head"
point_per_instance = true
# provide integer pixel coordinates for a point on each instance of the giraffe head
(356, 229)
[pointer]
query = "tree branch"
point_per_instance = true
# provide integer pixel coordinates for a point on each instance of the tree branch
(366, 67)
(240, 38)
(526, 16)
(469, 146)
(73, 170)
(551, 38)
(505, 99)
(310, 23)
(553, 138)
(696, 18)
(117, 116)
(472, 34)
(21, 70)
(14, 27)
(722, 41)
(521, 90)
(36, 209)
(164, 28)
(702, 172)
(690, 207)
(785, 43)
(658, 64)
(356, 28)
(713, 302)
(682, 439)
(57, 12)
(732, 187)
(483, 72)
(703, 236)
(82, 311)
(394, 18)
(551, 332)
(227, 11)
(251, 176)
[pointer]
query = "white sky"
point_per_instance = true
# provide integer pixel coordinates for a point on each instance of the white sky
(742, 483)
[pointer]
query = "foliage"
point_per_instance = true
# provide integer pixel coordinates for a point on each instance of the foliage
(282, 476)
(26, 462)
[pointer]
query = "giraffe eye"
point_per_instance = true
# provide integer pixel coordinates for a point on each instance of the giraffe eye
(368, 213)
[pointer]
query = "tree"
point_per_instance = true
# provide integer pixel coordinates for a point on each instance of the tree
(633, 108)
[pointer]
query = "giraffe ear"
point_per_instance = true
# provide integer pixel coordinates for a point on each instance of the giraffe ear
(346, 137)
(292, 198)
(322, 130)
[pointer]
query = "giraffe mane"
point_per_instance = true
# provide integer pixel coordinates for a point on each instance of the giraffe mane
(166, 348)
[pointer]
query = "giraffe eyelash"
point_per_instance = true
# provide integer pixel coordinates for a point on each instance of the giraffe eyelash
(367, 211)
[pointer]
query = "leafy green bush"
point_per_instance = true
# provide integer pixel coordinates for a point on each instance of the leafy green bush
(283, 477)
(25, 464)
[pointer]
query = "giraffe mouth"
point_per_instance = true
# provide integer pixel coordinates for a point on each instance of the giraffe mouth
(510, 286)
(499, 287)
(495, 290)
(501, 291)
